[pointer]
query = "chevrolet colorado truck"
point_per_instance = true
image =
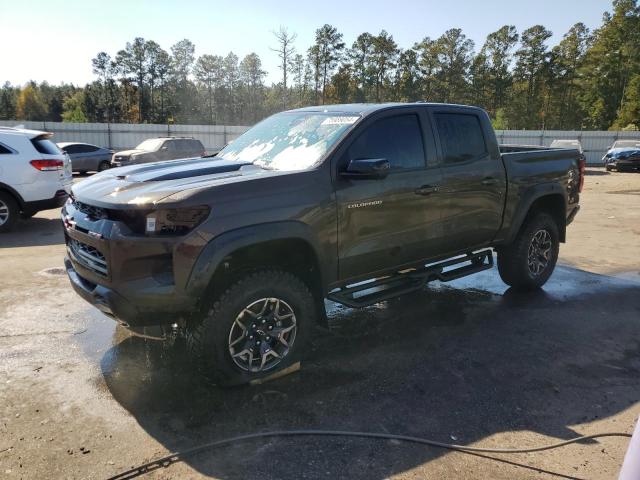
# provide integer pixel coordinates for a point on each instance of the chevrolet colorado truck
(352, 203)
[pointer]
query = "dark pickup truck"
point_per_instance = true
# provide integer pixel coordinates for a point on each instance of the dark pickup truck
(354, 203)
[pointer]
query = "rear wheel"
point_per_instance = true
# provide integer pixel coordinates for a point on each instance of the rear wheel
(257, 327)
(529, 261)
(104, 165)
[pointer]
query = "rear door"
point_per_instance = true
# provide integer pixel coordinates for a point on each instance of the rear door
(473, 179)
(393, 221)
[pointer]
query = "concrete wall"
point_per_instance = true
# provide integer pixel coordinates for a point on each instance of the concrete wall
(120, 136)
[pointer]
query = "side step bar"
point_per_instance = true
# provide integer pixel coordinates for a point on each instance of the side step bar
(406, 281)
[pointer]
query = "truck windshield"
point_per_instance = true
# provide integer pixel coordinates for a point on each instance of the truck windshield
(150, 145)
(289, 140)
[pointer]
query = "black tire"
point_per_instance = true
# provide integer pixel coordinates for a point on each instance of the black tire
(104, 165)
(208, 341)
(608, 168)
(8, 212)
(513, 260)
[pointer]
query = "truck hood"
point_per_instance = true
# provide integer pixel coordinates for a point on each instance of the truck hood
(128, 153)
(144, 185)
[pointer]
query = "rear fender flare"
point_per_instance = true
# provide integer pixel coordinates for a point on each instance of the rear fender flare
(530, 196)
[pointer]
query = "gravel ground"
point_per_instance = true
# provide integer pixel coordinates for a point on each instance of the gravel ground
(469, 362)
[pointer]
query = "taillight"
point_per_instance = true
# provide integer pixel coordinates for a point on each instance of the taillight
(582, 164)
(47, 165)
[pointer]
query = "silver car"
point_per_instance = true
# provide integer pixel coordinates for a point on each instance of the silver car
(86, 157)
(160, 149)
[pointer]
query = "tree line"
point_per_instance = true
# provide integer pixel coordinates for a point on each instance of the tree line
(589, 80)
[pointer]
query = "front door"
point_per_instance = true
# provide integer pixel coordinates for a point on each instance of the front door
(395, 221)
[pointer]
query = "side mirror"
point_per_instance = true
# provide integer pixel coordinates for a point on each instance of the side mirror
(367, 168)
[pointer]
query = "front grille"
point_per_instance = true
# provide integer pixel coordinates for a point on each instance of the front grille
(89, 257)
(94, 213)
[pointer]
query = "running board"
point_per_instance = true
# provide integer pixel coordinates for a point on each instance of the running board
(406, 281)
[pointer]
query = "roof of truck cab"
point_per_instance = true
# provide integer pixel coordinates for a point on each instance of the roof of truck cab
(367, 108)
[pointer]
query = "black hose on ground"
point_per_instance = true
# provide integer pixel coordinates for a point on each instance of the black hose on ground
(179, 456)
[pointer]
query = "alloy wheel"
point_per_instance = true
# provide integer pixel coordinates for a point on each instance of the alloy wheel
(539, 252)
(4, 212)
(262, 335)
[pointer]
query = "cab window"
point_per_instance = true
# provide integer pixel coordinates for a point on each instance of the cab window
(461, 137)
(397, 139)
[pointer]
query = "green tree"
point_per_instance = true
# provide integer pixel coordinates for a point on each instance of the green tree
(30, 104)
(383, 60)
(252, 77)
(428, 64)
(529, 74)
(498, 50)
(8, 100)
(629, 113)
(563, 108)
(74, 108)
(612, 60)
(208, 72)
(454, 55)
(131, 62)
(361, 56)
(407, 78)
(329, 50)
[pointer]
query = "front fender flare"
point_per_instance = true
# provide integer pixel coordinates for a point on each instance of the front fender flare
(223, 245)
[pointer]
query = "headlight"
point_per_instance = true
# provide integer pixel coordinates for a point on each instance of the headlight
(175, 221)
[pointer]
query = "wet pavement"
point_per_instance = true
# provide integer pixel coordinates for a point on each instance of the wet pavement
(464, 360)
(470, 362)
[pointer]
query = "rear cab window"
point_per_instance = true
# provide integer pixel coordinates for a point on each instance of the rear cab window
(45, 146)
(397, 139)
(461, 137)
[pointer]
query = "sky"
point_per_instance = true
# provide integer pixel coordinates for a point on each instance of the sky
(55, 40)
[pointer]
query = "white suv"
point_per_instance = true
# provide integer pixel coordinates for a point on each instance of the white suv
(34, 174)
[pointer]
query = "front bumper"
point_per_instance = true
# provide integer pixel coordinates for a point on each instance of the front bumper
(137, 280)
(627, 165)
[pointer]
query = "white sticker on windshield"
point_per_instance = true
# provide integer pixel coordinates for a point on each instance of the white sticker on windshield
(151, 224)
(339, 120)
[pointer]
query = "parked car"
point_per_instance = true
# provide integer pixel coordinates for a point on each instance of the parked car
(623, 159)
(619, 144)
(86, 157)
(354, 203)
(159, 149)
(34, 174)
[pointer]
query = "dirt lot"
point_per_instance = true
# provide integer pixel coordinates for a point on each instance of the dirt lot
(469, 362)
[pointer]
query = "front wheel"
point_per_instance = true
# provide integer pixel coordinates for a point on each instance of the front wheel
(257, 327)
(8, 212)
(529, 261)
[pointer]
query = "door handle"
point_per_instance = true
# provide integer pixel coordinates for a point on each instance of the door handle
(427, 190)
(489, 181)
